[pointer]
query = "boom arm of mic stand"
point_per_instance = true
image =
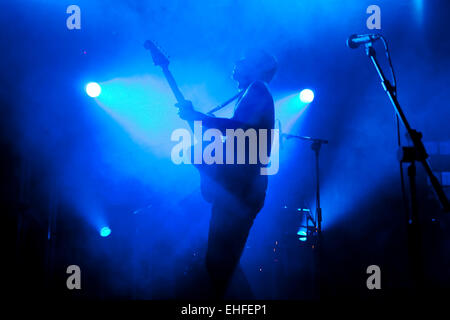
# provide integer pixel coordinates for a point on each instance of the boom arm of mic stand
(291, 136)
(416, 137)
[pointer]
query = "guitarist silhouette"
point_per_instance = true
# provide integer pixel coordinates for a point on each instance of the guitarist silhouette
(240, 188)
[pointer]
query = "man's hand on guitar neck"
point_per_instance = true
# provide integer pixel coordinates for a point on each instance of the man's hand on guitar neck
(186, 111)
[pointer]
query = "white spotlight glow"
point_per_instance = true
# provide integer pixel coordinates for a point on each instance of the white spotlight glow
(93, 89)
(306, 96)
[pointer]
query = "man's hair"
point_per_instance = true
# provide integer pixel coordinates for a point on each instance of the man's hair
(262, 63)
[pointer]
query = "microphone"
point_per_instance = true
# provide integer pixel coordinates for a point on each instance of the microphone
(355, 40)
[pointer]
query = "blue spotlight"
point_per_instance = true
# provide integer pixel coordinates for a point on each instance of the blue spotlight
(306, 96)
(93, 89)
(105, 231)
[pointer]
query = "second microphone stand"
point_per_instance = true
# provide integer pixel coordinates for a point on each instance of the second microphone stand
(316, 144)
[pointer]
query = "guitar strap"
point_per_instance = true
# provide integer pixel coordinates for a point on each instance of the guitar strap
(223, 105)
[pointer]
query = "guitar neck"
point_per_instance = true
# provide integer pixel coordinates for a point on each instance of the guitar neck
(173, 85)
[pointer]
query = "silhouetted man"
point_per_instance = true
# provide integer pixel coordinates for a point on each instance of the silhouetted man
(240, 189)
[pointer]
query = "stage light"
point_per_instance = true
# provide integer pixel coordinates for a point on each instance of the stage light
(305, 223)
(306, 96)
(105, 231)
(303, 234)
(93, 89)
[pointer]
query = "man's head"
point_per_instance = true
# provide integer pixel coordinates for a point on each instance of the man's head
(256, 65)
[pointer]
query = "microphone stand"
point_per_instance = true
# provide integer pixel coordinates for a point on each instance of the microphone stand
(410, 155)
(316, 144)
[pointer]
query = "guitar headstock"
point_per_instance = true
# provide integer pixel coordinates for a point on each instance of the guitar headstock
(159, 58)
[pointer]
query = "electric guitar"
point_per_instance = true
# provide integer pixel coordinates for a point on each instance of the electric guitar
(210, 176)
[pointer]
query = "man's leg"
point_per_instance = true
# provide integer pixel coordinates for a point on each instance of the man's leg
(228, 231)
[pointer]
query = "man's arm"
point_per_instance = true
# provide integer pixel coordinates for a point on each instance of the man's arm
(253, 99)
(187, 113)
